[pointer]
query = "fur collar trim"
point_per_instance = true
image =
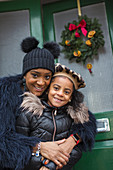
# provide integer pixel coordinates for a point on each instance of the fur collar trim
(80, 115)
(32, 103)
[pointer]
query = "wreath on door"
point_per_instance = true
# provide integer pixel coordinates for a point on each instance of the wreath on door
(81, 39)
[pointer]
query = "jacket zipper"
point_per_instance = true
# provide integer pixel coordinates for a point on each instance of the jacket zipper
(54, 112)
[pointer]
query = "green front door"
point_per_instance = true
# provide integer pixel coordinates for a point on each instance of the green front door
(99, 90)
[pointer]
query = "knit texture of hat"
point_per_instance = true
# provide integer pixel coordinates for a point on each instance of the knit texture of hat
(37, 57)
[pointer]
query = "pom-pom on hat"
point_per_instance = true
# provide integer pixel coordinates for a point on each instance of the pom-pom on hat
(62, 70)
(39, 57)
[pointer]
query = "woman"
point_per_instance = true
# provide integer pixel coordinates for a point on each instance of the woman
(52, 119)
(38, 68)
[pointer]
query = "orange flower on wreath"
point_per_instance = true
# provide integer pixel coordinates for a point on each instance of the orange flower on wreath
(88, 42)
(91, 33)
(77, 54)
(67, 42)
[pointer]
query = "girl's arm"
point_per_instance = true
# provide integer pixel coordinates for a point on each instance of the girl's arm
(86, 131)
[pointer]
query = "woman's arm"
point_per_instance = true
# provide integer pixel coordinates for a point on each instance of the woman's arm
(15, 149)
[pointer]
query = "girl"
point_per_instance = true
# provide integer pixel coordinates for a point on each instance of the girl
(62, 115)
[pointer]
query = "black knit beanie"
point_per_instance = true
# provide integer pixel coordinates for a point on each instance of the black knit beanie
(39, 57)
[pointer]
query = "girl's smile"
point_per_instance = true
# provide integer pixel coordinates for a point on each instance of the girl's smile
(60, 91)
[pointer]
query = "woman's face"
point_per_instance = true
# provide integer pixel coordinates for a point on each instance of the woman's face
(60, 91)
(37, 80)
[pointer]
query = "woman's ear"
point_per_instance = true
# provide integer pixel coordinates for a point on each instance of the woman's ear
(24, 83)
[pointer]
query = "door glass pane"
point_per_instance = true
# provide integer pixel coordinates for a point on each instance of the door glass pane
(14, 26)
(99, 85)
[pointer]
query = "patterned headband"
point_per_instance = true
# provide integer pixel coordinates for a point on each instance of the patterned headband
(62, 70)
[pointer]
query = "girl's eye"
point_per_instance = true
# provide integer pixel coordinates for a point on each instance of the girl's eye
(55, 88)
(66, 92)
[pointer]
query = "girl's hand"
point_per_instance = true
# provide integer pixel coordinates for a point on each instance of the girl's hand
(68, 145)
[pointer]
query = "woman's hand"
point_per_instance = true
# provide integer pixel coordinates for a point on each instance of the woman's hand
(43, 168)
(55, 153)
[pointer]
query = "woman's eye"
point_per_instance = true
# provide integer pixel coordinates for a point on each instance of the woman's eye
(34, 75)
(47, 77)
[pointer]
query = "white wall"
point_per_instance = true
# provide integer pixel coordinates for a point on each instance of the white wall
(14, 26)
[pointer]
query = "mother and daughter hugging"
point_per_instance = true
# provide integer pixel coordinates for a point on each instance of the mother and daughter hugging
(45, 124)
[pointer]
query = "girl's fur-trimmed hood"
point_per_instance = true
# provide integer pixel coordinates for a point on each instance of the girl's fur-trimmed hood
(32, 103)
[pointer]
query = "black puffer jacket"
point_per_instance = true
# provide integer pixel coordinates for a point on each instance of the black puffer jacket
(51, 125)
(48, 123)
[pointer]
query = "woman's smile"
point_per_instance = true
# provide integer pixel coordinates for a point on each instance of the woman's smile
(39, 88)
(37, 80)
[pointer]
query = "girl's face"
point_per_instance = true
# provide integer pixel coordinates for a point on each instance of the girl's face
(60, 91)
(37, 80)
